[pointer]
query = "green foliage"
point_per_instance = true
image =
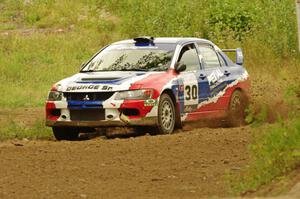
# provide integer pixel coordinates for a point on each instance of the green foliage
(292, 95)
(13, 130)
(270, 22)
(232, 17)
(274, 153)
(29, 65)
(49, 39)
(50, 13)
(256, 117)
(48, 42)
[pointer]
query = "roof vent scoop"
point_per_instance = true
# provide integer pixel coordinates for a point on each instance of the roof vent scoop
(144, 39)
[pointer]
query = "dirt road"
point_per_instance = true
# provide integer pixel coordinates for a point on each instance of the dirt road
(188, 164)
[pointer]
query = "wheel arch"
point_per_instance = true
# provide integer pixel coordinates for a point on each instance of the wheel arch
(244, 94)
(243, 91)
(239, 89)
(236, 117)
(169, 92)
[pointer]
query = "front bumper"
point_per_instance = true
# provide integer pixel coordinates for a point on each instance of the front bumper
(59, 114)
(149, 121)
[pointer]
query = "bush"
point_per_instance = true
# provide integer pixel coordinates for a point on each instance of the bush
(271, 22)
(274, 153)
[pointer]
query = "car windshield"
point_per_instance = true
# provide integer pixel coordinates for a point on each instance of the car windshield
(132, 57)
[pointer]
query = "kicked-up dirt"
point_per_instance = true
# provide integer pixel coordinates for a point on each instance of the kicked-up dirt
(188, 164)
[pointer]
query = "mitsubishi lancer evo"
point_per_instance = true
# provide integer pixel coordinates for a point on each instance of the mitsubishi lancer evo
(146, 81)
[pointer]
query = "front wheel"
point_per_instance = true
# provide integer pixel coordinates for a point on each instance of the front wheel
(166, 115)
(236, 109)
(65, 133)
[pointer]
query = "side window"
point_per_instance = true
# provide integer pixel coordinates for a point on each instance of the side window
(189, 57)
(210, 57)
(222, 61)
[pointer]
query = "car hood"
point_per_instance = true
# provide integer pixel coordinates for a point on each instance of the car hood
(100, 81)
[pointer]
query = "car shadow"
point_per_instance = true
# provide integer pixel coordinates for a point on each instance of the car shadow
(127, 132)
(111, 133)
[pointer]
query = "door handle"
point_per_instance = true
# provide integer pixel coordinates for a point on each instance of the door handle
(202, 76)
(227, 73)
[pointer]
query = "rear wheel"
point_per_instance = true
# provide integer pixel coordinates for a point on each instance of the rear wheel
(166, 115)
(237, 107)
(65, 133)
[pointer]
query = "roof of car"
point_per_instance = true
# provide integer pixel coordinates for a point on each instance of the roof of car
(174, 40)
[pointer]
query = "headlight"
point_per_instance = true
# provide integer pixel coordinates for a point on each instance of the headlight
(134, 94)
(54, 96)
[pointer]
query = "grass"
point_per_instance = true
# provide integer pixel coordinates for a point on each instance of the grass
(53, 39)
(274, 153)
(275, 150)
(30, 64)
(14, 130)
(42, 42)
(48, 40)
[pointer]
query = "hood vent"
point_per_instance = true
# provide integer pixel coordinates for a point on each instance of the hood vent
(96, 79)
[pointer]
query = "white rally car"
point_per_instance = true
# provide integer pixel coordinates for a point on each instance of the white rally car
(159, 82)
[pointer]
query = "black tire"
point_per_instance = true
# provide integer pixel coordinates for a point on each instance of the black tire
(65, 133)
(166, 115)
(237, 109)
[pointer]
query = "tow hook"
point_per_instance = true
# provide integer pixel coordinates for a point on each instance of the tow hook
(124, 118)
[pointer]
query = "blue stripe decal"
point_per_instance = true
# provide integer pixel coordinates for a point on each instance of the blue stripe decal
(220, 88)
(203, 91)
(84, 104)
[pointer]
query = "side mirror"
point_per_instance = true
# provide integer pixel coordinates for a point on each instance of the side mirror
(180, 67)
(239, 57)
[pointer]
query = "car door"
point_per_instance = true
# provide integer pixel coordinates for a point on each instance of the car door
(216, 75)
(192, 80)
(231, 70)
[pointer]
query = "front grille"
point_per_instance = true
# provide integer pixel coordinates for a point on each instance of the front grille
(87, 115)
(88, 96)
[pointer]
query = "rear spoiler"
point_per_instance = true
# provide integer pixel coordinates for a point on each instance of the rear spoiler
(238, 55)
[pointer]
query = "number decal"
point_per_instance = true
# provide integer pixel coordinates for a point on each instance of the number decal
(188, 93)
(191, 93)
(194, 92)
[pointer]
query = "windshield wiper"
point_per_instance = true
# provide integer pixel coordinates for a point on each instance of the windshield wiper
(87, 71)
(123, 69)
(138, 69)
(130, 69)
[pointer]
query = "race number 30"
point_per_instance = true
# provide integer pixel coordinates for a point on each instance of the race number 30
(191, 92)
